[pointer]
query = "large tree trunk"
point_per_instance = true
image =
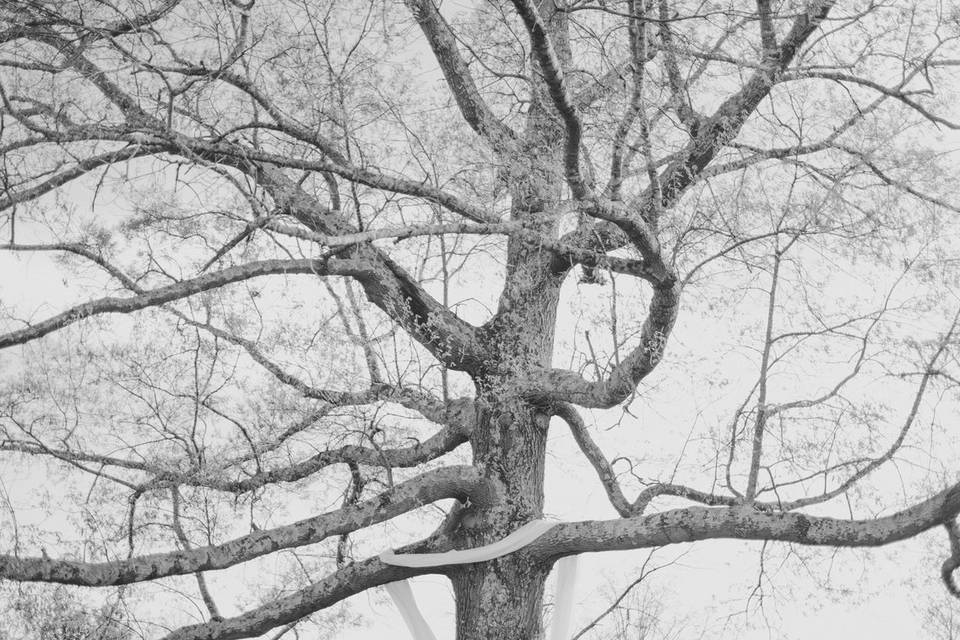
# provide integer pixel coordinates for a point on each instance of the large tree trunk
(502, 599)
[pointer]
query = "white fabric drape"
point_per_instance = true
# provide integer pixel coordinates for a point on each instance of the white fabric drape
(563, 599)
(403, 597)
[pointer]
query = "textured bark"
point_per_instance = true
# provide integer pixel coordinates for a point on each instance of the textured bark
(502, 598)
(510, 447)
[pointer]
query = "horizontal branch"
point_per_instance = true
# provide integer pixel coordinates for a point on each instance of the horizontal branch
(162, 295)
(447, 482)
(444, 441)
(355, 578)
(745, 523)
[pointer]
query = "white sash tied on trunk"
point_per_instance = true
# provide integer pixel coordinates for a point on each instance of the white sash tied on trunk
(563, 596)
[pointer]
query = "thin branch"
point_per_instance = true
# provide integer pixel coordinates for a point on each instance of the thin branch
(595, 456)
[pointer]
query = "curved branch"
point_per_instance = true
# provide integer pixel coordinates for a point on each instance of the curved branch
(353, 579)
(556, 385)
(447, 482)
(694, 495)
(953, 562)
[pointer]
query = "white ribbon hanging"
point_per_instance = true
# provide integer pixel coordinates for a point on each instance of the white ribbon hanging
(563, 597)
(403, 596)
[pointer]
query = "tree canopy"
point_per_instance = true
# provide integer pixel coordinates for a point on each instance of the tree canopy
(288, 283)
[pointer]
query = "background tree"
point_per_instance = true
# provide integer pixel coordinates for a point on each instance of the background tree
(309, 249)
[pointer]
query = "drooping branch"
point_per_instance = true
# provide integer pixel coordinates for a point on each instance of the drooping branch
(447, 482)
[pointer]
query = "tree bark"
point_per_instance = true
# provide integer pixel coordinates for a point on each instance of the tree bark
(502, 599)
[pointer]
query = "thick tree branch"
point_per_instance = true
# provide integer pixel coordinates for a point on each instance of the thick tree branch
(745, 523)
(555, 385)
(474, 109)
(556, 86)
(447, 482)
(725, 123)
(355, 578)
(162, 295)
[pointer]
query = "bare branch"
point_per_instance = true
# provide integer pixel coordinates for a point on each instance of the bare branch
(745, 523)
(726, 122)
(459, 79)
(592, 452)
(556, 85)
(563, 385)
(162, 295)
(446, 482)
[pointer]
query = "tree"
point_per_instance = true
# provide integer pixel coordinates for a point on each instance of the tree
(295, 213)
(58, 616)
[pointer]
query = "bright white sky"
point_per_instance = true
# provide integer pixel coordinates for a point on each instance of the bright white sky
(878, 594)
